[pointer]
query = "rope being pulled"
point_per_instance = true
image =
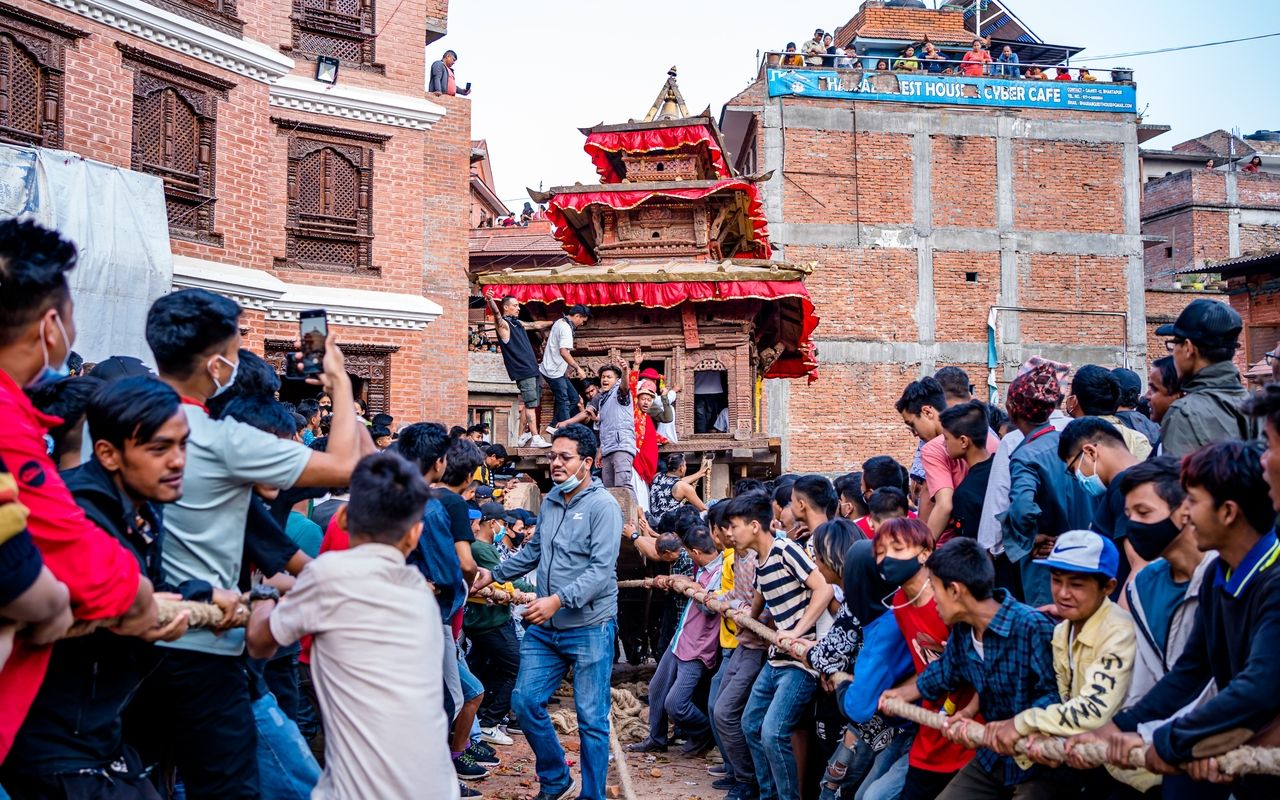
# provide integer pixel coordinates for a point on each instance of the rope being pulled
(501, 597)
(200, 615)
(1240, 761)
(742, 616)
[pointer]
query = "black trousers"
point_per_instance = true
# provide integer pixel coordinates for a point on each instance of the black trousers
(193, 712)
(495, 660)
(706, 408)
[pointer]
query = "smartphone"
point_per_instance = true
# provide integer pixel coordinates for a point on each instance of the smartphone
(313, 330)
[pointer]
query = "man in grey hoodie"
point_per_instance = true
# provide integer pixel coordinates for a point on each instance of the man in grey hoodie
(573, 621)
(1203, 340)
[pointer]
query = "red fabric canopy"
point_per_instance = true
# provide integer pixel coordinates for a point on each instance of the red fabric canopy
(622, 199)
(600, 144)
(799, 362)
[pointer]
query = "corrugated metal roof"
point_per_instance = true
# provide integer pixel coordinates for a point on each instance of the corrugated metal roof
(1242, 265)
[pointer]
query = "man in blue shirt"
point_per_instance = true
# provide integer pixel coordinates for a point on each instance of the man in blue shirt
(1001, 648)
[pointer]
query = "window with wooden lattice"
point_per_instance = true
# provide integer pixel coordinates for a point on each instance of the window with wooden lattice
(31, 77)
(218, 14)
(329, 219)
(175, 137)
(342, 29)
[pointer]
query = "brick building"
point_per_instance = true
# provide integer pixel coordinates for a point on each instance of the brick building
(282, 191)
(1203, 228)
(929, 205)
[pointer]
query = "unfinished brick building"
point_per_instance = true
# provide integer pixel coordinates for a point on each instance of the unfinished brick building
(288, 183)
(930, 205)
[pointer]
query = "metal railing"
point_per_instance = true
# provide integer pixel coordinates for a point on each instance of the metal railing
(943, 67)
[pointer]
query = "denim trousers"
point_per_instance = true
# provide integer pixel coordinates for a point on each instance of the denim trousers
(671, 698)
(889, 772)
(565, 398)
(545, 657)
(712, 694)
(731, 700)
(286, 768)
(775, 707)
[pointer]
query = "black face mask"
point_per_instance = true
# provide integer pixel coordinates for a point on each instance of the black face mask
(1149, 539)
(898, 571)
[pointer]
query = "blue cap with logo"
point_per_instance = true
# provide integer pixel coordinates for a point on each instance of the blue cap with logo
(1085, 552)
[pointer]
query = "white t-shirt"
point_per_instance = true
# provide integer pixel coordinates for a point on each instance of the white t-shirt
(376, 664)
(561, 335)
(204, 531)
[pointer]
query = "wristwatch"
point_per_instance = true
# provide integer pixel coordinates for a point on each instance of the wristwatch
(263, 592)
(635, 535)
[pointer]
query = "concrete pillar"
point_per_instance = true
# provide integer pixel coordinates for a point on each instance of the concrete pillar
(1135, 275)
(922, 219)
(1233, 215)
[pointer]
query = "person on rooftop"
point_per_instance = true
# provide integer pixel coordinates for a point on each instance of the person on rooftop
(934, 62)
(908, 62)
(1086, 76)
(974, 64)
(1064, 74)
(1036, 74)
(1006, 65)
(1253, 166)
(814, 49)
(792, 58)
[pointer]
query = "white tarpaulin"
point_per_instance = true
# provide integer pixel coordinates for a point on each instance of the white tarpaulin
(116, 217)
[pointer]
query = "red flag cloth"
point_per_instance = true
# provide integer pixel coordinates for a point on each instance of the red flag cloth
(622, 199)
(601, 144)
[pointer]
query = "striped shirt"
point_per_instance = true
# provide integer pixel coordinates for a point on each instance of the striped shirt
(781, 577)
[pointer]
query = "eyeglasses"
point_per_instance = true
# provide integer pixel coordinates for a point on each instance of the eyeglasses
(1071, 465)
(1174, 342)
(565, 457)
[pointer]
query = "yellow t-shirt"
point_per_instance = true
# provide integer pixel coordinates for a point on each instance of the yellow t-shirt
(728, 630)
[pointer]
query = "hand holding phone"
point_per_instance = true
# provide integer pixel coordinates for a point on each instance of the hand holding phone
(313, 329)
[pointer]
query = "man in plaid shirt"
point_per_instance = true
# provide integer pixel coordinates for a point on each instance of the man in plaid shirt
(1001, 648)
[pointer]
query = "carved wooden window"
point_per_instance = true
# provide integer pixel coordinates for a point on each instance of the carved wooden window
(218, 14)
(339, 28)
(31, 77)
(368, 364)
(329, 220)
(175, 132)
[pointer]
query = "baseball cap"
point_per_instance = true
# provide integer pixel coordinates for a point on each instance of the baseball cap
(473, 514)
(580, 310)
(1128, 380)
(484, 492)
(116, 367)
(490, 511)
(1085, 552)
(1205, 321)
(647, 387)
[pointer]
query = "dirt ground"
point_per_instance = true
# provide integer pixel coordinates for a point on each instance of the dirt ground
(656, 776)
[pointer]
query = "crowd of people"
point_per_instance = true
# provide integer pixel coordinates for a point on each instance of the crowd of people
(1088, 561)
(978, 61)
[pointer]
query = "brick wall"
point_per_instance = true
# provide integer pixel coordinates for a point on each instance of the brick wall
(874, 20)
(420, 184)
(866, 280)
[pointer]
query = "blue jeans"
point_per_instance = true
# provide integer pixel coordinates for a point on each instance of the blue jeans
(671, 697)
(889, 773)
(286, 768)
(777, 703)
(565, 396)
(545, 657)
(725, 653)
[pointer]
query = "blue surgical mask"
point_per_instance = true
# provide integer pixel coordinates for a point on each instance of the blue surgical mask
(570, 483)
(497, 537)
(1091, 483)
(222, 387)
(51, 373)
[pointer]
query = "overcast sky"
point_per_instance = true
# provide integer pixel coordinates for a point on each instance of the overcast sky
(540, 69)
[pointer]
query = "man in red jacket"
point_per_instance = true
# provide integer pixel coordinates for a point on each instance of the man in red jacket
(36, 332)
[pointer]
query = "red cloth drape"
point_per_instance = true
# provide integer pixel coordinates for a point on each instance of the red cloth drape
(801, 362)
(600, 144)
(630, 198)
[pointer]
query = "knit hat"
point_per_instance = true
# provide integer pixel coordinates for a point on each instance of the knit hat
(647, 387)
(1034, 394)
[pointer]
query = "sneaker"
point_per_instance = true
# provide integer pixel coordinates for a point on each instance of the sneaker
(466, 791)
(743, 791)
(538, 441)
(495, 735)
(718, 770)
(467, 768)
(723, 784)
(484, 755)
(647, 746)
(563, 794)
(523, 441)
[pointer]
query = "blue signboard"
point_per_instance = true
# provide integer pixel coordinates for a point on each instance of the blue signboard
(958, 90)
